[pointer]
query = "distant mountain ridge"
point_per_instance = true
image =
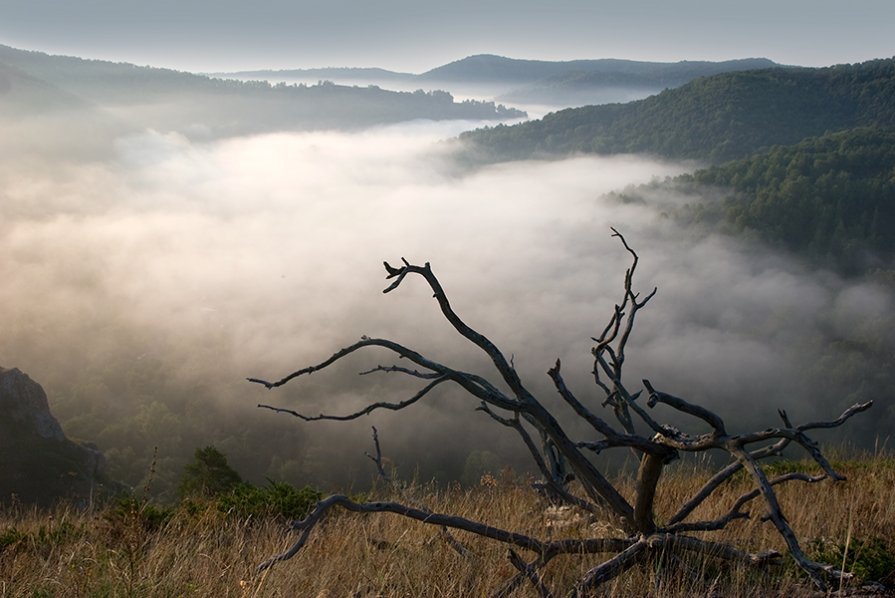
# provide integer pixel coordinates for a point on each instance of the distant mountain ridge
(490, 67)
(200, 106)
(716, 118)
(560, 83)
(323, 73)
(499, 68)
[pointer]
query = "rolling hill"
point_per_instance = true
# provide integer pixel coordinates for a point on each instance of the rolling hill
(201, 106)
(511, 80)
(717, 118)
(21, 93)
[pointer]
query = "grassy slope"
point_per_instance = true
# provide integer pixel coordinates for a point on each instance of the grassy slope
(206, 553)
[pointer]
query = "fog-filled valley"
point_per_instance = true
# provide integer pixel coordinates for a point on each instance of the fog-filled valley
(149, 270)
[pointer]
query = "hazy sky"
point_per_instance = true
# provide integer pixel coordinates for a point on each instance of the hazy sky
(413, 35)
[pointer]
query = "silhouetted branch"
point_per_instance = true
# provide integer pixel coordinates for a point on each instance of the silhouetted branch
(366, 410)
(683, 406)
(722, 476)
(553, 548)
(377, 458)
(735, 512)
(530, 572)
(553, 488)
(505, 369)
(615, 566)
(560, 453)
(394, 368)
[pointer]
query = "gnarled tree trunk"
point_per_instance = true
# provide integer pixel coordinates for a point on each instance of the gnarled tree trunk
(559, 455)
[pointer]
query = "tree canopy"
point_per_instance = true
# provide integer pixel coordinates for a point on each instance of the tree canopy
(717, 118)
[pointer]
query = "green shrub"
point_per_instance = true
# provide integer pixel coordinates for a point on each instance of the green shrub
(208, 475)
(276, 499)
(56, 534)
(10, 537)
(869, 559)
(130, 509)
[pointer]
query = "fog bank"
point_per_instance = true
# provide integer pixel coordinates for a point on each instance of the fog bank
(254, 256)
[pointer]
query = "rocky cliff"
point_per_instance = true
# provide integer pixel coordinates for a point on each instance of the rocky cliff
(38, 463)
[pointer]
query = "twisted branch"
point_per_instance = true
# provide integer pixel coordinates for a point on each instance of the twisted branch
(561, 453)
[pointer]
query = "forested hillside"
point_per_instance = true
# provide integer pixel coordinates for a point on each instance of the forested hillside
(829, 198)
(718, 118)
(21, 93)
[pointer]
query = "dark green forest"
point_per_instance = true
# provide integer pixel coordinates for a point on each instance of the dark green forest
(830, 199)
(715, 119)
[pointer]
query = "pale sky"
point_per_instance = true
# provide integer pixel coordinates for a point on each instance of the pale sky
(416, 35)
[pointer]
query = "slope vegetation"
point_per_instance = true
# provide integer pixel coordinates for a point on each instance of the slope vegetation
(829, 198)
(718, 118)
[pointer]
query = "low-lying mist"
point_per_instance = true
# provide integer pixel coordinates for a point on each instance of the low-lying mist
(143, 289)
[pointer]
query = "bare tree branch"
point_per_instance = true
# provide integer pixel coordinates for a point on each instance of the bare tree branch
(560, 453)
(722, 476)
(365, 411)
(610, 569)
(554, 487)
(817, 572)
(307, 525)
(506, 370)
(394, 368)
(798, 436)
(597, 423)
(377, 458)
(714, 549)
(530, 571)
(735, 511)
(683, 406)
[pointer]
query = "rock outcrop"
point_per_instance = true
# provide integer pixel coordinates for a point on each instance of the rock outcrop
(38, 464)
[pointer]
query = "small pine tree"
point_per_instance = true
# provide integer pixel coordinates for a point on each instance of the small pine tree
(208, 475)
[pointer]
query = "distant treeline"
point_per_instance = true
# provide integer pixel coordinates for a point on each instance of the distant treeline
(201, 106)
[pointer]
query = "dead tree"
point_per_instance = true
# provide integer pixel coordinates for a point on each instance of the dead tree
(560, 457)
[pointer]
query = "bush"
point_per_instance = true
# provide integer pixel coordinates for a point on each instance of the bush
(144, 514)
(208, 475)
(10, 537)
(276, 499)
(869, 560)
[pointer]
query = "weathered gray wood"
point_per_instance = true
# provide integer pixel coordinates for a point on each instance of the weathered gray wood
(647, 479)
(559, 452)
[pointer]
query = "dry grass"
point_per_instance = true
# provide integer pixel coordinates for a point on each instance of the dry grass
(211, 554)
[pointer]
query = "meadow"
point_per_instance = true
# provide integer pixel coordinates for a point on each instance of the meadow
(135, 548)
